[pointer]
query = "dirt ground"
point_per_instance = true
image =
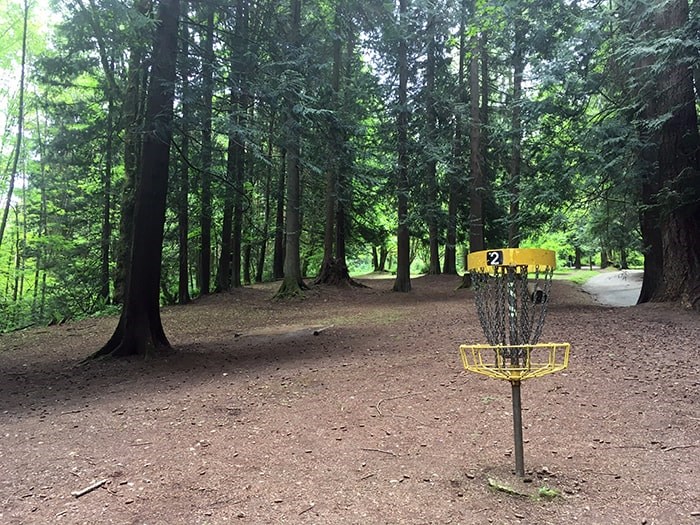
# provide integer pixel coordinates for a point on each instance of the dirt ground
(253, 419)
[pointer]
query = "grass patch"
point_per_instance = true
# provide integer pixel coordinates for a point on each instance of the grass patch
(576, 276)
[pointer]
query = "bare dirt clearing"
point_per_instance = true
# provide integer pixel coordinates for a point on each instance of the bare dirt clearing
(254, 419)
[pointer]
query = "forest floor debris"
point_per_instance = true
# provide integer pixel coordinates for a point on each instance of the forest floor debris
(374, 422)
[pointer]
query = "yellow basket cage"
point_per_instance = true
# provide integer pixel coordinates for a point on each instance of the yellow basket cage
(515, 363)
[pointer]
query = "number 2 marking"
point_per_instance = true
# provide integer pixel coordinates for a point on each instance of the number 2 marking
(494, 258)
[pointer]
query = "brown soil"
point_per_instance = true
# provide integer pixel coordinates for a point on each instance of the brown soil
(253, 419)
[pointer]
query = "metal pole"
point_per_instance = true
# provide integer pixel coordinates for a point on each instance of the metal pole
(518, 429)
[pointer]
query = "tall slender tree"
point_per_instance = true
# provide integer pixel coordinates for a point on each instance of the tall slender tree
(20, 125)
(402, 283)
(477, 183)
(293, 282)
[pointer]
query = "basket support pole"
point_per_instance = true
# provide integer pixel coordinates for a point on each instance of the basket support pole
(518, 429)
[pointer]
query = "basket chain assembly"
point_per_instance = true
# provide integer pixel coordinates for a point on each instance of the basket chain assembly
(511, 312)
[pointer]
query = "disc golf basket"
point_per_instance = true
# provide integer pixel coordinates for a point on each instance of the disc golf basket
(511, 288)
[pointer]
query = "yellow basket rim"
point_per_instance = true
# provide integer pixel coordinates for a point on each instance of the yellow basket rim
(483, 261)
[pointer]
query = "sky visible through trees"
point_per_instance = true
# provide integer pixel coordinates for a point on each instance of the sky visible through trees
(316, 139)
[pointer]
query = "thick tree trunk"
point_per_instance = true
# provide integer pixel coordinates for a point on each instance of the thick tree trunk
(675, 247)
(133, 109)
(403, 237)
(140, 330)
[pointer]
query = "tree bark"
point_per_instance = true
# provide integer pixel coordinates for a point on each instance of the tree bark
(293, 283)
(456, 174)
(516, 133)
(278, 257)
(205, 217)
(334, 269)
(106, 236)
(183, 213)
(402, 282)
(476, 200)
(20, 125)
(673, 249)
(132, 113)
(433, 206)
(140, 330)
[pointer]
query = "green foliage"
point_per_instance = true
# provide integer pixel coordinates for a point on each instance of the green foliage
(582, 123)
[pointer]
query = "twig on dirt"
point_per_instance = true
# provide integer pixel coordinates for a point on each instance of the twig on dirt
(367, 476)
(89, 488)
(231, 501)
(307, 509)
(322, 329)
(141, 443)
(502, 487)
(378, 450)
(392, 398)
(666, 449)
(76, 411)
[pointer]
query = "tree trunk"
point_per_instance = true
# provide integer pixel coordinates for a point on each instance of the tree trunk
(516, 132)
(673, 271)
(293, 284)
(476, 201)
(140, 330)
(183, 291)
(20, 125)
(106, 236)
(334, 269)
(205, 217)
(132, 112)
(240, 78)
(328, 264)
(403, 238)
(268, 207)
(456, 174)
(433, 206)
(278, 258)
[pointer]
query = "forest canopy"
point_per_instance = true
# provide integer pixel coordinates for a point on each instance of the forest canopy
(315, 140)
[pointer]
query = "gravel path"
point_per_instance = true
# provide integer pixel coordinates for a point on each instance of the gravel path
(619, 288)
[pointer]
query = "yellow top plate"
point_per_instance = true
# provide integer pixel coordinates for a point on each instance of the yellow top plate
(486, 260)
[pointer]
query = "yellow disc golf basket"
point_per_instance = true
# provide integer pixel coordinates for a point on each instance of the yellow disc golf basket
(511, 292)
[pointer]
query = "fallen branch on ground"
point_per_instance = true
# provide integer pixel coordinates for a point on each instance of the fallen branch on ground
(89, 488)
(322, 329)
(379, 450)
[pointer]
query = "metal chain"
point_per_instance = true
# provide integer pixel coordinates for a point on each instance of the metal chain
(512, 312)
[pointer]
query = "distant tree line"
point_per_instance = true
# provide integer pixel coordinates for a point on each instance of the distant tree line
(154, 151)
